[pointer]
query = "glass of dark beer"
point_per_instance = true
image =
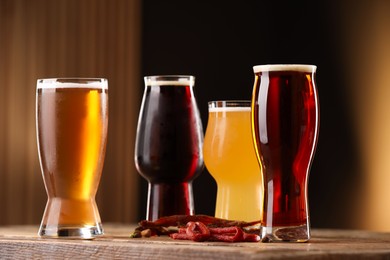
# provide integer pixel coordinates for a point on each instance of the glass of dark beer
(168, 148)
(71, 117)
(285, 124)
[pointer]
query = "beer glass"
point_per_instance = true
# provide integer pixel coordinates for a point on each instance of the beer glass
(168, 148)
(230, 157)
(71, 117)
(285, 122)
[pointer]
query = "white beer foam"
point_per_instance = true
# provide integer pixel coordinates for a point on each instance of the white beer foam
(180, 82)
(89, 83)
(285, 67)
(229, 109)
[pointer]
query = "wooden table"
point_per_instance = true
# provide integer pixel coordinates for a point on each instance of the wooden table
(21, 242)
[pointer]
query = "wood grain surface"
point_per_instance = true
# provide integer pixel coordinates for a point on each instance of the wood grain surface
(22, 242)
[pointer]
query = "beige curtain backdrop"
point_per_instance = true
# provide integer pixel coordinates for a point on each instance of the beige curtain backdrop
(67, 38)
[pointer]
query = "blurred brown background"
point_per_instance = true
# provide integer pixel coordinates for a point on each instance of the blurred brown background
(67, 38)
(218, 42)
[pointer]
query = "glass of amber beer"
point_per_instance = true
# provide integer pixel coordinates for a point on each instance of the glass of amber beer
(285, 123)
(72, 117)
(168, 148)
(230, 157)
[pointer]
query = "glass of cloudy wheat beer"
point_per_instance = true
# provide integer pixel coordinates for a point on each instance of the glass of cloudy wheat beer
(230, 157)
(168, 148)
(72, 117)
(285, 122)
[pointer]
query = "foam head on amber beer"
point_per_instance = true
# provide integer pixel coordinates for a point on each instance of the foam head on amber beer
(285, 67)
(91, 83)
(228, 106)
(229, 109)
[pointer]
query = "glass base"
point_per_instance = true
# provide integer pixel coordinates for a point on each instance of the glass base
(285, 234)
(71, 232)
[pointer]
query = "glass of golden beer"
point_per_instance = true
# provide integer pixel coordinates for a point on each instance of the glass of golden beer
(230, 158)
(71, 118)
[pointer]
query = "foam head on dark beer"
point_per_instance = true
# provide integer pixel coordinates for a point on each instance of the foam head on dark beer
(169, 81)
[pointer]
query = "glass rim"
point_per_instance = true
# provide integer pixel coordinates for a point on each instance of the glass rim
(229, 103)
(171, 80)
(285, 67)
(72, 82)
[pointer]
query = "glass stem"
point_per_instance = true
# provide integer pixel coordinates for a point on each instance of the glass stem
(166, 199)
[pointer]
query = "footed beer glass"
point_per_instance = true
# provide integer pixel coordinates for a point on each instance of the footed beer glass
(72, 117)
(168, 148)
(285, 122)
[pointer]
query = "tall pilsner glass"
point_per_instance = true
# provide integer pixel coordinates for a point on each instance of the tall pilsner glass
(72, 117)
(285, 122)
(168, 149)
